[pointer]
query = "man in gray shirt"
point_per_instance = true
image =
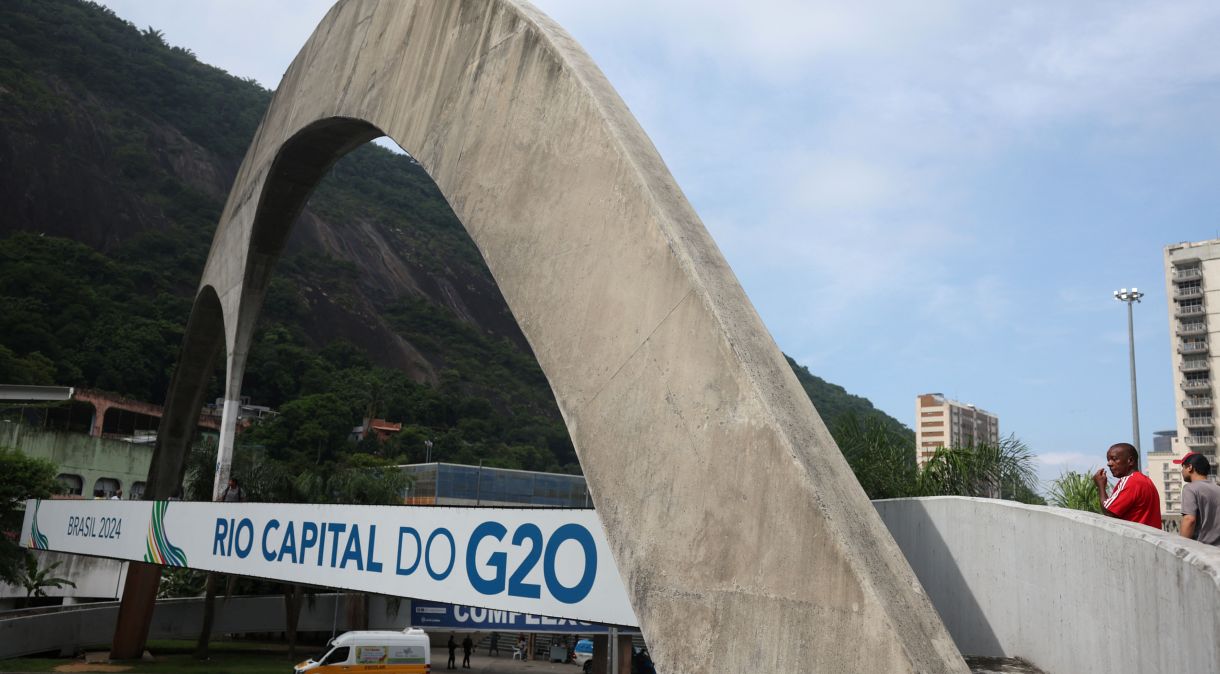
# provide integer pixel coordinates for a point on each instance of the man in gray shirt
(1200, 500)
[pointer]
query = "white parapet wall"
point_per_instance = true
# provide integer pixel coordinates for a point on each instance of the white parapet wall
(1071, 592)
(94, 578)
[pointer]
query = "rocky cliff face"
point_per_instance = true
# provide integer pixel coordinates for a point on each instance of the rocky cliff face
(90, 168)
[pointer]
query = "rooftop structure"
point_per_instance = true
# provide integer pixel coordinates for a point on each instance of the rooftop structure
(941, 422)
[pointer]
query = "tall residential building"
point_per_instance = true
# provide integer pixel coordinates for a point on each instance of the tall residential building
(1166, 446)
(1192, 283)
(940, 422)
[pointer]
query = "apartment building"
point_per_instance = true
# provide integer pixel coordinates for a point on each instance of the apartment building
(1192, 284)
(1166, 446)
(941, 422)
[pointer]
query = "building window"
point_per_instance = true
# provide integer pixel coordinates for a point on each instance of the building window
(73, 485)
(137, 491)
(105, 487)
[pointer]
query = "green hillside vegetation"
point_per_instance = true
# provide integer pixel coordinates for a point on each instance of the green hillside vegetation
(128, 146)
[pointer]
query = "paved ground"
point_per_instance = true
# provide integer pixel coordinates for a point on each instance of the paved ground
(486, 665)
(481, 664)
(1001, 666)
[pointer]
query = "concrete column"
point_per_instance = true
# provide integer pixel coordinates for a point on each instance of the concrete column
(135, 611)
(224, 452)
(624, 654)
(99, 419)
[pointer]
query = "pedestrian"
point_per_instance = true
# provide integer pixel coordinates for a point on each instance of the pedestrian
(467, 647)
(521, 648)
(1200, 500)
(233, 492)
(494, 647)
(118, 495)
(1134, 498)
(452, 653)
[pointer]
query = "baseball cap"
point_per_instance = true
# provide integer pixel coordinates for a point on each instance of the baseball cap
(1185, 457)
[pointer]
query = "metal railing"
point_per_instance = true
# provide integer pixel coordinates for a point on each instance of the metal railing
(1198, 422)
(1197, 385)
(1194, 365)
(1192, 328)
(1187, 274)
(1197, 402)
(1200, 440)
(1189, 310)
(1189, 291)
(1199, 346)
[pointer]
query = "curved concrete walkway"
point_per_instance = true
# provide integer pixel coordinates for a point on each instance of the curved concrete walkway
(1069, 591)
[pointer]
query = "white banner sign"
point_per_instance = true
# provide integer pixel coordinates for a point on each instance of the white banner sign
(547, 562)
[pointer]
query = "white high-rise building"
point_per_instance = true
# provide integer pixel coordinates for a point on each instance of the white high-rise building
(940, 422)
(1192, 283)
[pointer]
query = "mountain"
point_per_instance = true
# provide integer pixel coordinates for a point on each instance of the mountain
(118, 151)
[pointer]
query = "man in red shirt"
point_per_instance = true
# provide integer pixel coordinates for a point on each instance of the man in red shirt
(1134, 498)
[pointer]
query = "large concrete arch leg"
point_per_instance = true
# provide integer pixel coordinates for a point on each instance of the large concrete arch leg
(204, 339)
(744, 540)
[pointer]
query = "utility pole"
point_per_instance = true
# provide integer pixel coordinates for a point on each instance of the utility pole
(1130, 298)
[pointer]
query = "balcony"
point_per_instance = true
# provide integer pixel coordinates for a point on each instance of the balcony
(1188, 292)
(1194, 365)
(1200, 441)
(1197, 385)
(1188, 274)
(1198, 422)
(1197, 403)
(1195, 346)
(1192, 328)
(1189, 310)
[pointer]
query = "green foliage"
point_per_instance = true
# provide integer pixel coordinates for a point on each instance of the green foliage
(180, 582)
(833, 403)
(882, 458)
(1076, 491)
(35, 579)
(24, 478)
(1005, 470)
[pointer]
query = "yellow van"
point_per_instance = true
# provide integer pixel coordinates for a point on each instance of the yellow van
(405, 652)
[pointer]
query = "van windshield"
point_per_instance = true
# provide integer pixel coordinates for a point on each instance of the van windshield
(336, 656)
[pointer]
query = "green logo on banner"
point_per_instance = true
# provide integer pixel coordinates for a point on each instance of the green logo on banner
(158, 549)
(38, 540)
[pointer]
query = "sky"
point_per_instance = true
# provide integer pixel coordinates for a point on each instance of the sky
(938, 196)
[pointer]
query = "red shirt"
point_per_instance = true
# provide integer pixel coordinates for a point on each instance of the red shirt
(1135, 499)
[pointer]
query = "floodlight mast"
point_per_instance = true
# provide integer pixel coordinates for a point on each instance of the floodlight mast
(1130, 298)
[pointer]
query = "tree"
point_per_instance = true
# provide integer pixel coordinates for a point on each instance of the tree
(1003, 470)
(1076, 491)
(24, 478)
(879, 454)
(34, 579)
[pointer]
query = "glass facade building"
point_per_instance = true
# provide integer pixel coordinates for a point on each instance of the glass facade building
(452, 484)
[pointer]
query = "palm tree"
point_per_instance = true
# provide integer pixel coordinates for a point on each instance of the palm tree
(881, 457)
(1076, 491)
(1001, 470)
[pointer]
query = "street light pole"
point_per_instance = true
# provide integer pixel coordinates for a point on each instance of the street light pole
(1130, 297)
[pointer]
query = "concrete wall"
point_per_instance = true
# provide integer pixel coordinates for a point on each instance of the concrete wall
(71, 629)
(95, 578)
(1071, 592)
(80, 454)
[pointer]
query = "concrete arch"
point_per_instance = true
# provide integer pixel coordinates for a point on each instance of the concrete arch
(742, 536)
